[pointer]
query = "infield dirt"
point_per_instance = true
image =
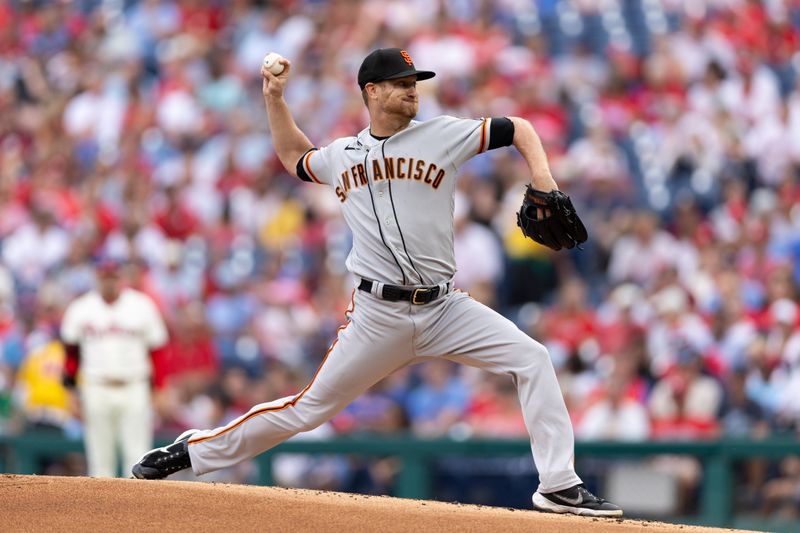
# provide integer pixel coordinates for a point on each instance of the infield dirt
(45, 503)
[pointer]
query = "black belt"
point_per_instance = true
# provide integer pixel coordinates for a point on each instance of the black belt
(393, 293)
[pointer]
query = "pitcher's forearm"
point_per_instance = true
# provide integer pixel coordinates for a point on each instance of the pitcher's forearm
(289, 142)
(527, 141)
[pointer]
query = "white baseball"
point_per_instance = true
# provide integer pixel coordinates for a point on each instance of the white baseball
(271, 62)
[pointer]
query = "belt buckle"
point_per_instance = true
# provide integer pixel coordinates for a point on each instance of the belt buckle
(418, 291)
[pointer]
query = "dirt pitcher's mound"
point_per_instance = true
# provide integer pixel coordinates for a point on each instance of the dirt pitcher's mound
(44, 503)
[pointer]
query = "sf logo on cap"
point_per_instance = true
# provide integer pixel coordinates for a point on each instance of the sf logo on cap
(407, 57)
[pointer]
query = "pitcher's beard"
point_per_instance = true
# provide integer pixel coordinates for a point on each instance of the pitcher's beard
(406, 110)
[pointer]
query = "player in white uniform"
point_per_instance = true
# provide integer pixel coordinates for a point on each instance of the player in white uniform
(108, 334)
(396, 182)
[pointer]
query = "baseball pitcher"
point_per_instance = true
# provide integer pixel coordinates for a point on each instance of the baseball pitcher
(395, 181)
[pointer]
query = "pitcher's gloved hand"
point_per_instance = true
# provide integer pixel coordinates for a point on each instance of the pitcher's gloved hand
(550, 219)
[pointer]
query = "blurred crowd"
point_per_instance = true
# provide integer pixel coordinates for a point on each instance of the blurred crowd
(136, 129)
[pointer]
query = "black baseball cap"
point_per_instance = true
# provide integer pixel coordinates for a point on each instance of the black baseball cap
(388, 64)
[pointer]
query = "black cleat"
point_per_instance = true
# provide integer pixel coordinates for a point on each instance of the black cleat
(162, 462)
(575, 500)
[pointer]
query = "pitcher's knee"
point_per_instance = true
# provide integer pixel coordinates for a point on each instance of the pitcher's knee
(533, 356)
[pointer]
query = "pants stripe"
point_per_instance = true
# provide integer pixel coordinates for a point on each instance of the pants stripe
(293, 401)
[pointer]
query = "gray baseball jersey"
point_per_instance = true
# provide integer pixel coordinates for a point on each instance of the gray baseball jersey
(397, 193)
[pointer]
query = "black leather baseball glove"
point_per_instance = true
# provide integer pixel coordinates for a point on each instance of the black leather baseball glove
(549, 219)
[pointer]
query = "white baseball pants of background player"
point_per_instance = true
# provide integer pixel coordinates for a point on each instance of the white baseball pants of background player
(116, 417)
(382, 336)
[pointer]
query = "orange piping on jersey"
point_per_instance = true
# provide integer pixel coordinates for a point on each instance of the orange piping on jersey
(294, 400)
(308, 167)
(483, 136)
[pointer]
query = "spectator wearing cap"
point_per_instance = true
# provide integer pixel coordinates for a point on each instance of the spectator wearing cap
(108, 334)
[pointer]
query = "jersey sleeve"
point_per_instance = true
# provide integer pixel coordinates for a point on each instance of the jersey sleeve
(70, 330)
(155, 330)
(314, 166)
(469, 137)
